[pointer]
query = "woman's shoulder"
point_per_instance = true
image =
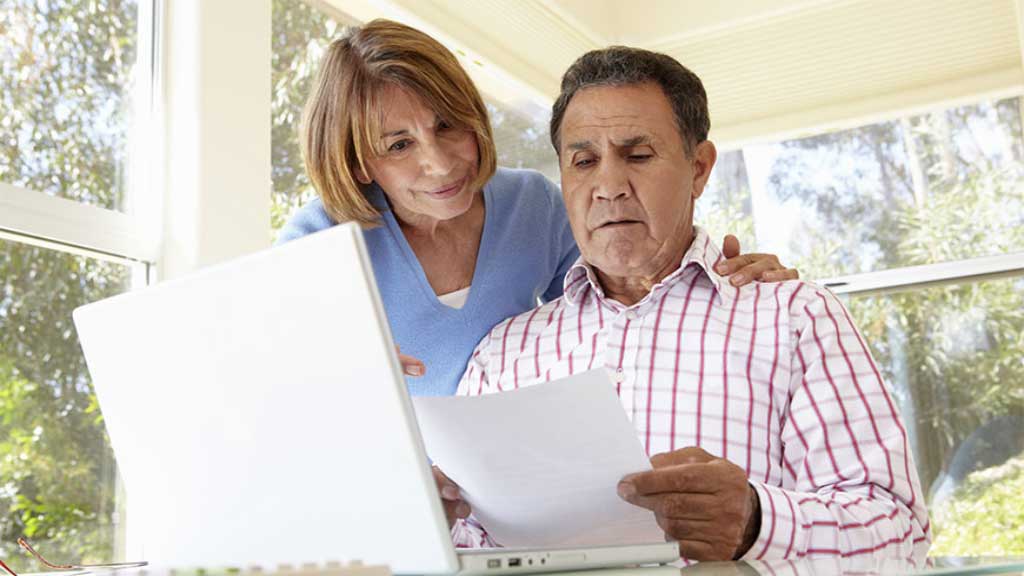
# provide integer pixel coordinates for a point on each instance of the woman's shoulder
(311, 217)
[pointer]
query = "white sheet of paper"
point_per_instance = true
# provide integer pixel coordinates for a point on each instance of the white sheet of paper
(540, 465)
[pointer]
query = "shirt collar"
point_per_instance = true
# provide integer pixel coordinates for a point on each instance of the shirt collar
(702, 254)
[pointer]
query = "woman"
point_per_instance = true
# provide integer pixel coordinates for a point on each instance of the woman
(396, 137)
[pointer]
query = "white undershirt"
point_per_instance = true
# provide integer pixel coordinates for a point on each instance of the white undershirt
(455, 299)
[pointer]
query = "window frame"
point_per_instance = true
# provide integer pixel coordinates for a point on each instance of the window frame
(34, 217)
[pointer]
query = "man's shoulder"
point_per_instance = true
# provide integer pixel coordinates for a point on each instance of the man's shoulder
(801, 300)
(521, 326)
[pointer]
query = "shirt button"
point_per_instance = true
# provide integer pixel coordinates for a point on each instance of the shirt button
(620, 376)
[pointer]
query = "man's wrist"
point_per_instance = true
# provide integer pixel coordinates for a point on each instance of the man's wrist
(753, 528)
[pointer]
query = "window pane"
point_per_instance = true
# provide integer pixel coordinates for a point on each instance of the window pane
(66, 76)
(522, 138)
(57, 472)
(301, 33)
(937, 187)
(725, 207)
(954, 356)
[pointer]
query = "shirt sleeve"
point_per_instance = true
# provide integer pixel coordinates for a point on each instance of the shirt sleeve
(468, 533)
(850, 484)
(563, 245)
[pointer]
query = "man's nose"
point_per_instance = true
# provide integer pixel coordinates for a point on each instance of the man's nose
(612, 181)
(435, 159)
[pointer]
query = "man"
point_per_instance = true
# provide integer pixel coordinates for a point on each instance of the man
(771, 430)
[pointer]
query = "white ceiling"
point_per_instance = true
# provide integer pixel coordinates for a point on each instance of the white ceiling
(771, 67)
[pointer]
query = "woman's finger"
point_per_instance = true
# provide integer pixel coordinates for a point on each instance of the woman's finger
(410, 366)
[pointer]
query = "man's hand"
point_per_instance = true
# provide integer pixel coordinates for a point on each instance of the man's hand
(744, 268)
(702, 501)
(451, 498)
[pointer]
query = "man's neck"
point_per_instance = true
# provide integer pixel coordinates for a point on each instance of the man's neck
(631, 289)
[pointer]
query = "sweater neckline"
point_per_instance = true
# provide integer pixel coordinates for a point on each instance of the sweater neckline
(483, 255)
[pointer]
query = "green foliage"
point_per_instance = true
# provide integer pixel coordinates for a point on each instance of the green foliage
(986, 513)
(57, 471)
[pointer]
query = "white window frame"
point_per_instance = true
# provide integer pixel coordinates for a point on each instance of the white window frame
(34, 217)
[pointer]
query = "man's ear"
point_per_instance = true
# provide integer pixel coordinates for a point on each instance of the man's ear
(704, 157)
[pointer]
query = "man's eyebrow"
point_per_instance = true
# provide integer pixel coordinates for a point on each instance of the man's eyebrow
(634, 141)
(580, 145)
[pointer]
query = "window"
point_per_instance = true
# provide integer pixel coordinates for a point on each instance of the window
(66, 78)
(72, 93)
(919, 221)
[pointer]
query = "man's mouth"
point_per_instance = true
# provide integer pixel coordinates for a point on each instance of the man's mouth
(612, 224)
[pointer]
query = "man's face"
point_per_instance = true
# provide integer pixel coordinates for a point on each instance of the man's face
(628, 182)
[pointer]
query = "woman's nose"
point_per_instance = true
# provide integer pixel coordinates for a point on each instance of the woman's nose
(435, 159)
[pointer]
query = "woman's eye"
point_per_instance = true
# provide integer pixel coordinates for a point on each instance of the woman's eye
(399, 146)
(442, 125)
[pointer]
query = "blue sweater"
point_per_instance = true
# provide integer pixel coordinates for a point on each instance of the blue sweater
(525, 250)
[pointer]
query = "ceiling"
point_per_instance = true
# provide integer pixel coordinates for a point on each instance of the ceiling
(771, 67)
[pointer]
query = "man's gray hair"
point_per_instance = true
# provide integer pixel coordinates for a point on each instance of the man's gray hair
(622, 66)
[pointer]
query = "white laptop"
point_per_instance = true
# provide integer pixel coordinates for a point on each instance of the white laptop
(259, 416)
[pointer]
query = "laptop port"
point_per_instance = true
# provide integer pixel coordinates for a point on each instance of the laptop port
(514, 562)
(495, 563)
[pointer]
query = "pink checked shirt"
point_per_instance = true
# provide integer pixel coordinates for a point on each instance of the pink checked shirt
(773, 377)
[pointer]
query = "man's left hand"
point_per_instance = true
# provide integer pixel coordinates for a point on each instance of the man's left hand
(704, 502)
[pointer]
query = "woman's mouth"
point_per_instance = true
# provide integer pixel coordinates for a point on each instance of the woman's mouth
(446, 191)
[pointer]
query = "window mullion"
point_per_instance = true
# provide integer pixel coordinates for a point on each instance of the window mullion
(915, 277)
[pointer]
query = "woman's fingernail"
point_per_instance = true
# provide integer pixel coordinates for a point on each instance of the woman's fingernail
(462, 510)
(450, 493)
(722, 268)
(626, 490)
(737, 279)
(414, 370)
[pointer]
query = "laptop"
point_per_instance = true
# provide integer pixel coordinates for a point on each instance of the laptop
(259, 416)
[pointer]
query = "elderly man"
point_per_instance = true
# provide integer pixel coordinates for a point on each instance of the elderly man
(771, 430)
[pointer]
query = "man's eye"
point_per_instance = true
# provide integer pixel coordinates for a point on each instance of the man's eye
(583, 162)
(640, 157)
(399, 146)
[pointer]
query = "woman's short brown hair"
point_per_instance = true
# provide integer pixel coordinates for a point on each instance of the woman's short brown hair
(343, 118)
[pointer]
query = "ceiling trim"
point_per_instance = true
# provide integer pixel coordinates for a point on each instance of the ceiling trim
(851, 114)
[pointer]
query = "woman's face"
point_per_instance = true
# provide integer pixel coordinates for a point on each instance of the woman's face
(427, 166)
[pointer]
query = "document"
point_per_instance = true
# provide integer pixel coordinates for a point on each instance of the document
(540, 465)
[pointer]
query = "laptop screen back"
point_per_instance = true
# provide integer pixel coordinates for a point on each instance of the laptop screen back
(258, 415)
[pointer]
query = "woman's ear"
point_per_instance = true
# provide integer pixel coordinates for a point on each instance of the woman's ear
(362, 176)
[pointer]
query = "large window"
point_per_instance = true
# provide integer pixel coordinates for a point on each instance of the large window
(919, 221)
(69, 87)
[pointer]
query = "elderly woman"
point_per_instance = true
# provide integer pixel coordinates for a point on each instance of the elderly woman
(396, 137)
